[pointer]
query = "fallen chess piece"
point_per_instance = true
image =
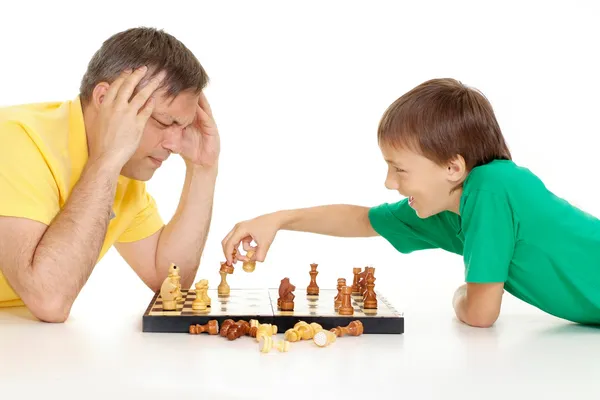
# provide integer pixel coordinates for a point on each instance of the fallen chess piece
(258, 330)
(354, 328)
(212, 328)
(325, 338)
(233, 330)
(266, 344)
(302, 331)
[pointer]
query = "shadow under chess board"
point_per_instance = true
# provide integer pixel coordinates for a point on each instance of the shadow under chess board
(261, 304)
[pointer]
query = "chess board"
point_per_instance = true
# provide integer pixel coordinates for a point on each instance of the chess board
(261, 304)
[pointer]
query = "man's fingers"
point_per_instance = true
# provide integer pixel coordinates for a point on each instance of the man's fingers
(246, 243)
(261, 252)
(203, 103)
(128, 86)
(146, 112)
(229, 243)
(143, 95)
(113, 89)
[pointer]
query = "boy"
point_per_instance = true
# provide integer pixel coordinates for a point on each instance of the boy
(446, 153)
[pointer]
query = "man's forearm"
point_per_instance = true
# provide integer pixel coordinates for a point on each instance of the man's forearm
(69, 249)
(183, 239)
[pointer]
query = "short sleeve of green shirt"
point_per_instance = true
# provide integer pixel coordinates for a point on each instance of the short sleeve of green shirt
(400, 225)
(488, 227)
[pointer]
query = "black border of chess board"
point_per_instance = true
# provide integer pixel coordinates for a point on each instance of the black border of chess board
(373, 324)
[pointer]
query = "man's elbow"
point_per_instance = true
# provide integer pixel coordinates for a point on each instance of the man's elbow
(52, 310)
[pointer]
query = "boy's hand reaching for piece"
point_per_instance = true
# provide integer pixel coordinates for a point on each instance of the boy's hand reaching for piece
(261, 230)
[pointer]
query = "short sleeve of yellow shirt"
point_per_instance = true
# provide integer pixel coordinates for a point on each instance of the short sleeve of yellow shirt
(27, 186)
(146, 221)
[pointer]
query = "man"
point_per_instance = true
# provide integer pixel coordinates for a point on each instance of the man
(72, 174)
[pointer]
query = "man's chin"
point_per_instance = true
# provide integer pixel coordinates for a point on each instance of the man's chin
(143, 175)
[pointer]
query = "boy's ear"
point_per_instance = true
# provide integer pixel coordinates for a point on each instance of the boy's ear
(456, 169)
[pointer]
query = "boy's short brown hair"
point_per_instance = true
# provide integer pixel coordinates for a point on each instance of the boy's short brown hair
(442, 118)
(141, 46)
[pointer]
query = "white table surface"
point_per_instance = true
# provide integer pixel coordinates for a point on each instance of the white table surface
(101, 355)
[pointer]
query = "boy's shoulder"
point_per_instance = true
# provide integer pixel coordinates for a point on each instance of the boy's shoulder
(501, 176)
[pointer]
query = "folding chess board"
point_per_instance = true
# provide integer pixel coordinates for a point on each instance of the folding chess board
(261, 304)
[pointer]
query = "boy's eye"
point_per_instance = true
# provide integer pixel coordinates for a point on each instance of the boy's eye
(400, 170)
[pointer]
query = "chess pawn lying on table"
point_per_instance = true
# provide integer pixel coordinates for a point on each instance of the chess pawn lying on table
(266, 344)
(250, 265)
(324, 338)
(354, 328)
(212, 328)
(258, 330)
(302, 331)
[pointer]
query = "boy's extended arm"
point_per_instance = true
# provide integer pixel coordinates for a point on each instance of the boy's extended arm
(478, 304)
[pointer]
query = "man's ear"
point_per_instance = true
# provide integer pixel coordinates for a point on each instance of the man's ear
(456, 169)
(99, 93)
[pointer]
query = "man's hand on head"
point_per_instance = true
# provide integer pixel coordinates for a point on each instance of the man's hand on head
(201, 143)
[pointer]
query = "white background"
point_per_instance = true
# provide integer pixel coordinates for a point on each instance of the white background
(297, 90)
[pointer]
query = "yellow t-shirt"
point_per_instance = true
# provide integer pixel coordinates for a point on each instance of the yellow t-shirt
(43, 150)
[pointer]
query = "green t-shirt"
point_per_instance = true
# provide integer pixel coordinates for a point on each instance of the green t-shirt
(511, 229)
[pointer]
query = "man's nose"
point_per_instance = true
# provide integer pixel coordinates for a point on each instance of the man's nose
(173, 139)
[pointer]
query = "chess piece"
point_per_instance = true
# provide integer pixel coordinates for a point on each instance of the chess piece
(285, 302)
(345, 307)
(355, 287)
(176, 279)
(228, 269)
(199, 304)
(324, 338)
(292, 335)
(212, 328)
(238, 329)
(225, 327)
(223, 288)
(204, 285)
(266, 344)
(362, 282)
(337, 301)
(370, 298)
(264, 330)
(354, 328)
(313, 288)
(250, 265)
(168, 294)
